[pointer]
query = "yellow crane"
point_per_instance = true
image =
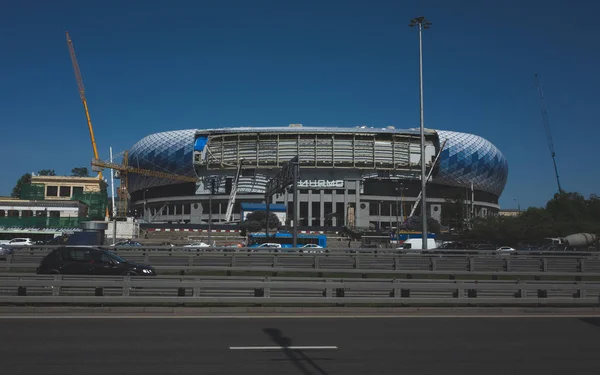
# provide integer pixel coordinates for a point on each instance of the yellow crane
(82, 96)
(125, 169)
(97, 164)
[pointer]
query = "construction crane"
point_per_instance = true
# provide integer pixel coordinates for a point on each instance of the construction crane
(547, 128)
(234, 189)
(82, 96)
(124, 169)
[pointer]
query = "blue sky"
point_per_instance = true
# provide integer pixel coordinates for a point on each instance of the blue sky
(151, 66)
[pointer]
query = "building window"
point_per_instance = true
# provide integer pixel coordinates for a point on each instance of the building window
(52, 191)
(328, 191)
(187, 208)
(351, 191)
(65, 191)
(54, 213)
(77, 190)
(374, 209)
(339, 191)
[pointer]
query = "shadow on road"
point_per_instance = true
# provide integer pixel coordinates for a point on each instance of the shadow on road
(593, 321)
(304, 363)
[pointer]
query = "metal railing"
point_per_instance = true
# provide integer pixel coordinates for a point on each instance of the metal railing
(491, 264)
(149, 290)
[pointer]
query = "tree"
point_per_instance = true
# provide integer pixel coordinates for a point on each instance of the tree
(257, 220)
(47, 172)
(453, 212)
(80, 172)
(24, 179)
(415, 223)
(566, 213)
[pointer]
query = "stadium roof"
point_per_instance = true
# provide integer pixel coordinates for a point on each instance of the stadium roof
(314, 129)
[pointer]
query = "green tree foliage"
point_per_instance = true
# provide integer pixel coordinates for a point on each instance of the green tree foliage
(80, 172)
(257, 220)
(47, 172)
(415, 223)
(453, 213)
(565, 214)
(24, 179)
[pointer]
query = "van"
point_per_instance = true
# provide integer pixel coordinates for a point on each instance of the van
(417, 244)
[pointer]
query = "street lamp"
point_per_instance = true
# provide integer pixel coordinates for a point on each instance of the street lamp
(423, 24)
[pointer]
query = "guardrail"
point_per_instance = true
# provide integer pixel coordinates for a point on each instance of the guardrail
(334, 251)
(150, 290)
(495, 264)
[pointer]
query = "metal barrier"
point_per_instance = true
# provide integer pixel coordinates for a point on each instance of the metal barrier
(334, 251)
(150, 290)
(344, 263)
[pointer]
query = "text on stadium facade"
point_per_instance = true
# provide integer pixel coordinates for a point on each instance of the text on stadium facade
(321, 183)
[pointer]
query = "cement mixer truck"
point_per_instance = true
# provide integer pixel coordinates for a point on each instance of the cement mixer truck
(577, 241)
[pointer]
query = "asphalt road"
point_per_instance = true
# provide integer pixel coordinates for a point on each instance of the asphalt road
(364, 346)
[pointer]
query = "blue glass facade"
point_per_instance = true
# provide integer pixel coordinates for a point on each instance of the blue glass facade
(466, 159)
(170, 152)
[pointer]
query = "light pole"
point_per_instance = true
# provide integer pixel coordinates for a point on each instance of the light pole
(423, 24)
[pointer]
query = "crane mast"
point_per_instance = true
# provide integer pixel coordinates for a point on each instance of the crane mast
(547, 129)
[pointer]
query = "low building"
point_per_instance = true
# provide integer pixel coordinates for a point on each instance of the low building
(66, 187)
(18, 208)
(509, 212)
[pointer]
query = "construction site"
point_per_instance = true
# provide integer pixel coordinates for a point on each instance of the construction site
(181, 186)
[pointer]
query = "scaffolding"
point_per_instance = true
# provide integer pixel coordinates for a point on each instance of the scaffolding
(97, 203)
(33, 192)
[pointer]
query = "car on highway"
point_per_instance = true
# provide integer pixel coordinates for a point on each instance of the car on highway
(5, 251)
(20, 242)
(311, 248)
(196, 245)
(127, 243)
(89, 260)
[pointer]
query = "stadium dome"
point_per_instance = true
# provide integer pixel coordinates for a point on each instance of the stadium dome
(466, 159)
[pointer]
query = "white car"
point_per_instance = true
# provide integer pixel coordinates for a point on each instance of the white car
(270, 245)
(505, 249)
(20, 242)
(311, 248)
(197, 244)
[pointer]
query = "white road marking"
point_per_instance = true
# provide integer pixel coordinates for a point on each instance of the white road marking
(283, 347)
(315, 316)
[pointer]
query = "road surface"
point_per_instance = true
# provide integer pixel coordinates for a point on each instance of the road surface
(319, 346)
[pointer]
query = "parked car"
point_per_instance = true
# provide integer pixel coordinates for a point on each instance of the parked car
(89, 260)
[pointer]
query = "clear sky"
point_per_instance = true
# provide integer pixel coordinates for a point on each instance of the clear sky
(151, 66)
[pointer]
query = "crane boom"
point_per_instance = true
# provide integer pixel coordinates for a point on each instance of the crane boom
(145, 172)
(547, 129)
(82, 95)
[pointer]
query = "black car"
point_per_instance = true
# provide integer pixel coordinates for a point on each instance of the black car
(86, 260)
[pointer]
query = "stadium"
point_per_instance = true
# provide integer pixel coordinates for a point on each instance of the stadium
(357, 177)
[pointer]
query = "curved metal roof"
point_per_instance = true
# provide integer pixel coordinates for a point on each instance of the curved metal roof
(466, 159)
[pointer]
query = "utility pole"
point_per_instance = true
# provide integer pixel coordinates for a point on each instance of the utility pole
(423, 24)
(296, 166)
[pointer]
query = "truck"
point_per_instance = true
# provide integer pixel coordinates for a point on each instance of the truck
(577, 240)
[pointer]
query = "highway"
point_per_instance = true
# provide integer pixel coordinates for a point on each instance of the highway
(328, 346)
